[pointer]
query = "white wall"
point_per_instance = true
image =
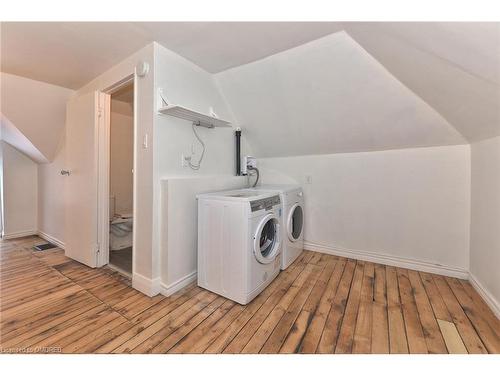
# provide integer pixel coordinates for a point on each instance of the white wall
(52, 184)
(51, 187)
(121, 157)
(412, 204)
(19, 193)
(485, 219)
(186, 84)
(179, 225)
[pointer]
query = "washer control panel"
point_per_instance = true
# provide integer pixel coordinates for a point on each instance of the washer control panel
(265, 203)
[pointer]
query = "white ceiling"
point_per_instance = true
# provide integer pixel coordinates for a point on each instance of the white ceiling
(452, 67)
(72, 54)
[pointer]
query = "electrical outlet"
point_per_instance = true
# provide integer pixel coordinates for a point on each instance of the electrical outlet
(309, 179)
(185, 160)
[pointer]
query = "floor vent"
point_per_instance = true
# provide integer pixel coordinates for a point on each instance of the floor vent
(45, 246)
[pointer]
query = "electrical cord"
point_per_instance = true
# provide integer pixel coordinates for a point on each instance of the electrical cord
(192, 165)
(250, 168)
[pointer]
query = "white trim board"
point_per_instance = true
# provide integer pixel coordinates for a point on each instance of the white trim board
(49, 238)
(492, 303)
(150, 287)
(389, 260)
(168, 290)
(24, 233)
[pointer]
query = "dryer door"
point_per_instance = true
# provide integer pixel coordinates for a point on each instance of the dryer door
(295, 222)
(267, 240)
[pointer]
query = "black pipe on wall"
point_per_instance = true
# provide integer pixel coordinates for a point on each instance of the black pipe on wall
(237, 134)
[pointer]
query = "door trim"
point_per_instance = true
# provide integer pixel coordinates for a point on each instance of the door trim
(103, 129)
(104, 169)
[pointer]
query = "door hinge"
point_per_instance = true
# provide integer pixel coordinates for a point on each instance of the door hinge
(99, 112)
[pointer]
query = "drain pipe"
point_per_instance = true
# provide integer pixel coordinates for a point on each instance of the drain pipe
(237, 134)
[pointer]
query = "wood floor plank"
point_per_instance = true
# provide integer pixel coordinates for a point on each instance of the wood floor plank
(484, 309)
(467, 332)
(321, 303)
(488, 336)
(189, 319)
(202, 320)
(397, 333)
(380, 323)
(316, 323)
(277, 338)
(293, 341)
(438, 306)
(452, 338)
(303, 283)
(244, 325)
(199, 338)
(364, 323)
(414, 330)
(142, 323)
(432, 333)
(346, 335)
(333, 322)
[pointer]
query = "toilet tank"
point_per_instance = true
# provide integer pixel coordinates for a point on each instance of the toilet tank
(112, 202)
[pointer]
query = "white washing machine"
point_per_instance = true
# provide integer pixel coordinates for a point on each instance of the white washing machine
(292, 198)
(239, 242)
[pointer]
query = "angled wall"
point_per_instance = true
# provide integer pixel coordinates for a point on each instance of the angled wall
(329, 96)
(36, 109)
(453, 66)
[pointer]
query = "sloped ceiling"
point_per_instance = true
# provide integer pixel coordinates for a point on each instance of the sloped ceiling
(37, 110)
(71, 54)
(329, 96)
(454, 67)
(10, 134)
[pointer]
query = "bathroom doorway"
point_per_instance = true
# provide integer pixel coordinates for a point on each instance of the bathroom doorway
(121, 186)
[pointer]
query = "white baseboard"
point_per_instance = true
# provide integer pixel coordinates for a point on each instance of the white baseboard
(493, 304)
(24, 233)
(389, 260)
(49, 238)
(150, 287)
(168, 290)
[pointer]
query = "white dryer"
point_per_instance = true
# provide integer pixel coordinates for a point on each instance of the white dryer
(292, 198)
(239, 242)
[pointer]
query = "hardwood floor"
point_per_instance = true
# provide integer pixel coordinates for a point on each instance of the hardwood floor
(320, 304)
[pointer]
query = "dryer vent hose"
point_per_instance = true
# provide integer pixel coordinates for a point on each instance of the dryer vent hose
(257, 173)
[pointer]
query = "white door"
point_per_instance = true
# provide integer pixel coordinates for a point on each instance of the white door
(81, 234)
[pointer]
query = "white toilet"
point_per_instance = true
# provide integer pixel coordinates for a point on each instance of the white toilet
(120, 228)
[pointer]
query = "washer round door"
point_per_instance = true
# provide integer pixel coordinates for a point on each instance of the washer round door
(267, 239)
(295, 224)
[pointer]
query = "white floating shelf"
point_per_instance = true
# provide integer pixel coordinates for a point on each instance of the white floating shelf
(197, 118)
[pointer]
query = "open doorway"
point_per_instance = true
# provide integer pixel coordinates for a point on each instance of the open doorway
(121, 161)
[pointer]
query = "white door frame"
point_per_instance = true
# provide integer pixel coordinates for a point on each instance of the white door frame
(104, 169)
